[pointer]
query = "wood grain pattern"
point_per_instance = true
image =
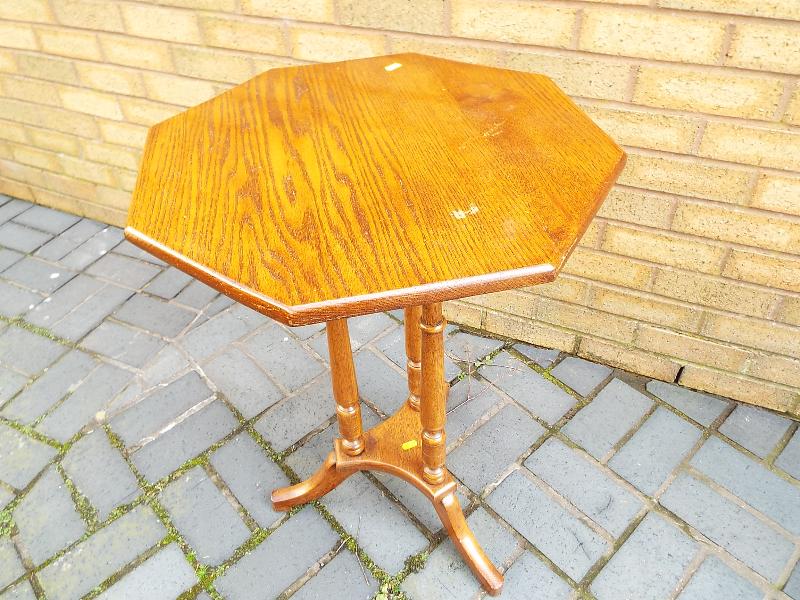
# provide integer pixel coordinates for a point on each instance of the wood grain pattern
(325, 191)
(412, 315)
(345, 387)
(433, 398)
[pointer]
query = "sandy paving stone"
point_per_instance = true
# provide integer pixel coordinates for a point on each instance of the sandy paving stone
(21, 457)
(163, 576)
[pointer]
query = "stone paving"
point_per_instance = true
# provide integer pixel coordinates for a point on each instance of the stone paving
(144, 419)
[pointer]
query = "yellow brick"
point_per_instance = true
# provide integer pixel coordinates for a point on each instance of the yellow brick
(765, 46)
(628, 358)
(450, 48)
(714, 292)
(572, 316)
(327, 46)
(792, 115)
(216, 5)
(19, 172)
(528, 330)
(146, 112)
(565, 287)
(775, 368)
(789, 311)
(90, 171)
(69, 42)
(765, 269)
(463, 313)
(13, 132)
(47, 67)
(141, 54)
(779, 194)
(55, 141)
(36, 158)
(7, 62)
(421, 16)
(777, 9)
(27, 89)
(650, 309)
(320, 11)
(754, 333)
(609, 268)
(100, 15)
(511, 301)
(5, 150)
(591, 238)
(123, 134)
(18, 35)
(68, 185)
(211, 64)
(113, 197)
(686, 177)
(110, 78)
(743, 227)
(664, 248)
(91, 103)
(47, 116)
(36, 11)
(718, 93)
(177, 90)
(110, 154)
(669, 133)
(259, 36)
(662, 36)
(739, 387)
(637, 207)
(263, 63)
(161, 23)
(752, 145)
(691, 348)
(15, 189)
(513, 21)
(125, 178)
(80, 207)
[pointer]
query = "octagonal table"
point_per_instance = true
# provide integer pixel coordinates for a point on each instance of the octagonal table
(321, 192)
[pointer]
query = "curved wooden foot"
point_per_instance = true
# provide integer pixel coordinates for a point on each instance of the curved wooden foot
(449, 511)
(320, 483)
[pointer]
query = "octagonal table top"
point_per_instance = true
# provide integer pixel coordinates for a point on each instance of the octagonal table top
(325, 191)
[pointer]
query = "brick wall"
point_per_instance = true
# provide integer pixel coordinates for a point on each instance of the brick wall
(692, 269)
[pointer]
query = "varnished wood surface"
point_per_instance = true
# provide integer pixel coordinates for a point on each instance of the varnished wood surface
(433, 395)
(324, 191)
(345, 387)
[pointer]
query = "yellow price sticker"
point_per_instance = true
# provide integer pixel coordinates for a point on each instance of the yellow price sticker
(409, 444)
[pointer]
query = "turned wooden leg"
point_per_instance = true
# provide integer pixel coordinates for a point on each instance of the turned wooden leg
(463, 539)
(320, 483)
(345, 389)
(413, 354)
(432, 394)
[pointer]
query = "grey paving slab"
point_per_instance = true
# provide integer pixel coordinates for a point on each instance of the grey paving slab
(585, 485)
(46, 517)
(581, 375)
(726, 523)
(46, 219)
(242, 382)
(66, 242)
(763, 490)
(363, 510)
(186, 440)
(469, 399)
(380, 383)
(289, 420)
(124, 271)
(544, 357)
(649, 564)
(160, 407)
(756, 429)
(217, 305)
(168, 283)
(304, 332)
(445, 574)
(556, 532)
(125, 248)
(38, 275)
(20, 591)
(789, 458)
(98, 557)
(9, 257)
(91, 397)
(714, 580)
(11, 383)
(93, 248)
(10, 566)
(393, 346)
(88, 314)
(251, 475)
(655, 450)
(163, 576)
(286, 360)
(469, 348)
(125, 344)
(603, 422)
(28, 352)
(196, 295)
(15, 300)
(415, 501)
(155, 315)
(703, 408)
(65, 300)
(219, 331)
(20, 238)
(529, 578)
(542, 397)
(21, 457)
(204, 517)
(6, 496)
(362, 330)
(489, 451)
(792, 587)
(289, 551)
(342, 577)
(167, 363)
(100, 474)
(12, 208)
